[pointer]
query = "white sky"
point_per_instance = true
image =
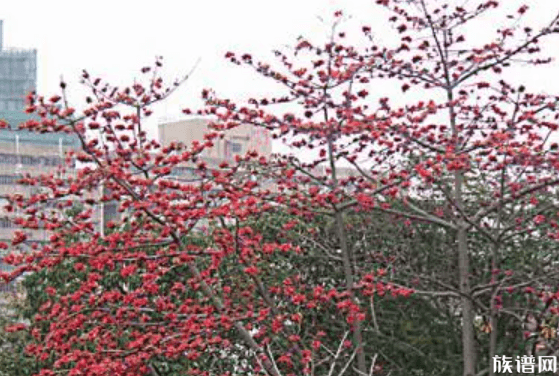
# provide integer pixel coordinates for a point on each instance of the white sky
(114, 39)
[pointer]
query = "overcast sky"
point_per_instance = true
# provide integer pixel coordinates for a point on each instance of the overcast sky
(114, 39)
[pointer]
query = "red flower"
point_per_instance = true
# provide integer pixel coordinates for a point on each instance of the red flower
(251, 270)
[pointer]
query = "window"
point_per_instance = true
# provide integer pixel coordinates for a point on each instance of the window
(30, 160)
(5, 223)
(236, 147)
(110, 211)
(232, 148)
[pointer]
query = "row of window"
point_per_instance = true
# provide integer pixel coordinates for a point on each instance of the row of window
(6, 223)
(9, 179)
(30, 160)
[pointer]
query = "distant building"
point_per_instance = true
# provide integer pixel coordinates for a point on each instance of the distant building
(23, 152)
(18, 75)
(237, 141)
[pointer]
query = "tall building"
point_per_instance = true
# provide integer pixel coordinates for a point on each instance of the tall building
(23, 152)
(18, 75)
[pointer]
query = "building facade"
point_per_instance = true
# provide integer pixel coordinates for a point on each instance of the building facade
(23, 152)
(18, 75)
(237, 141)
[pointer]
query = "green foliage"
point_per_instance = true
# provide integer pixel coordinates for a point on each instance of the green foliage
(13, 359)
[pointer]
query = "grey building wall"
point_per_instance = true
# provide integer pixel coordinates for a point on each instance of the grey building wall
(18, 75)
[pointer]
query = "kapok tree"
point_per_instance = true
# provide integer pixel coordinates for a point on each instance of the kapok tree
(475, 156)
(158, 288)
(495, 133)
(182, 281)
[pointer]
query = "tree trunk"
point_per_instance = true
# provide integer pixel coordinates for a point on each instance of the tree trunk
(468, 335)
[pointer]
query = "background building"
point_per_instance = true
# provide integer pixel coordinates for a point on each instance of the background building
(237, 141)
(18, 75)
(23, 152)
